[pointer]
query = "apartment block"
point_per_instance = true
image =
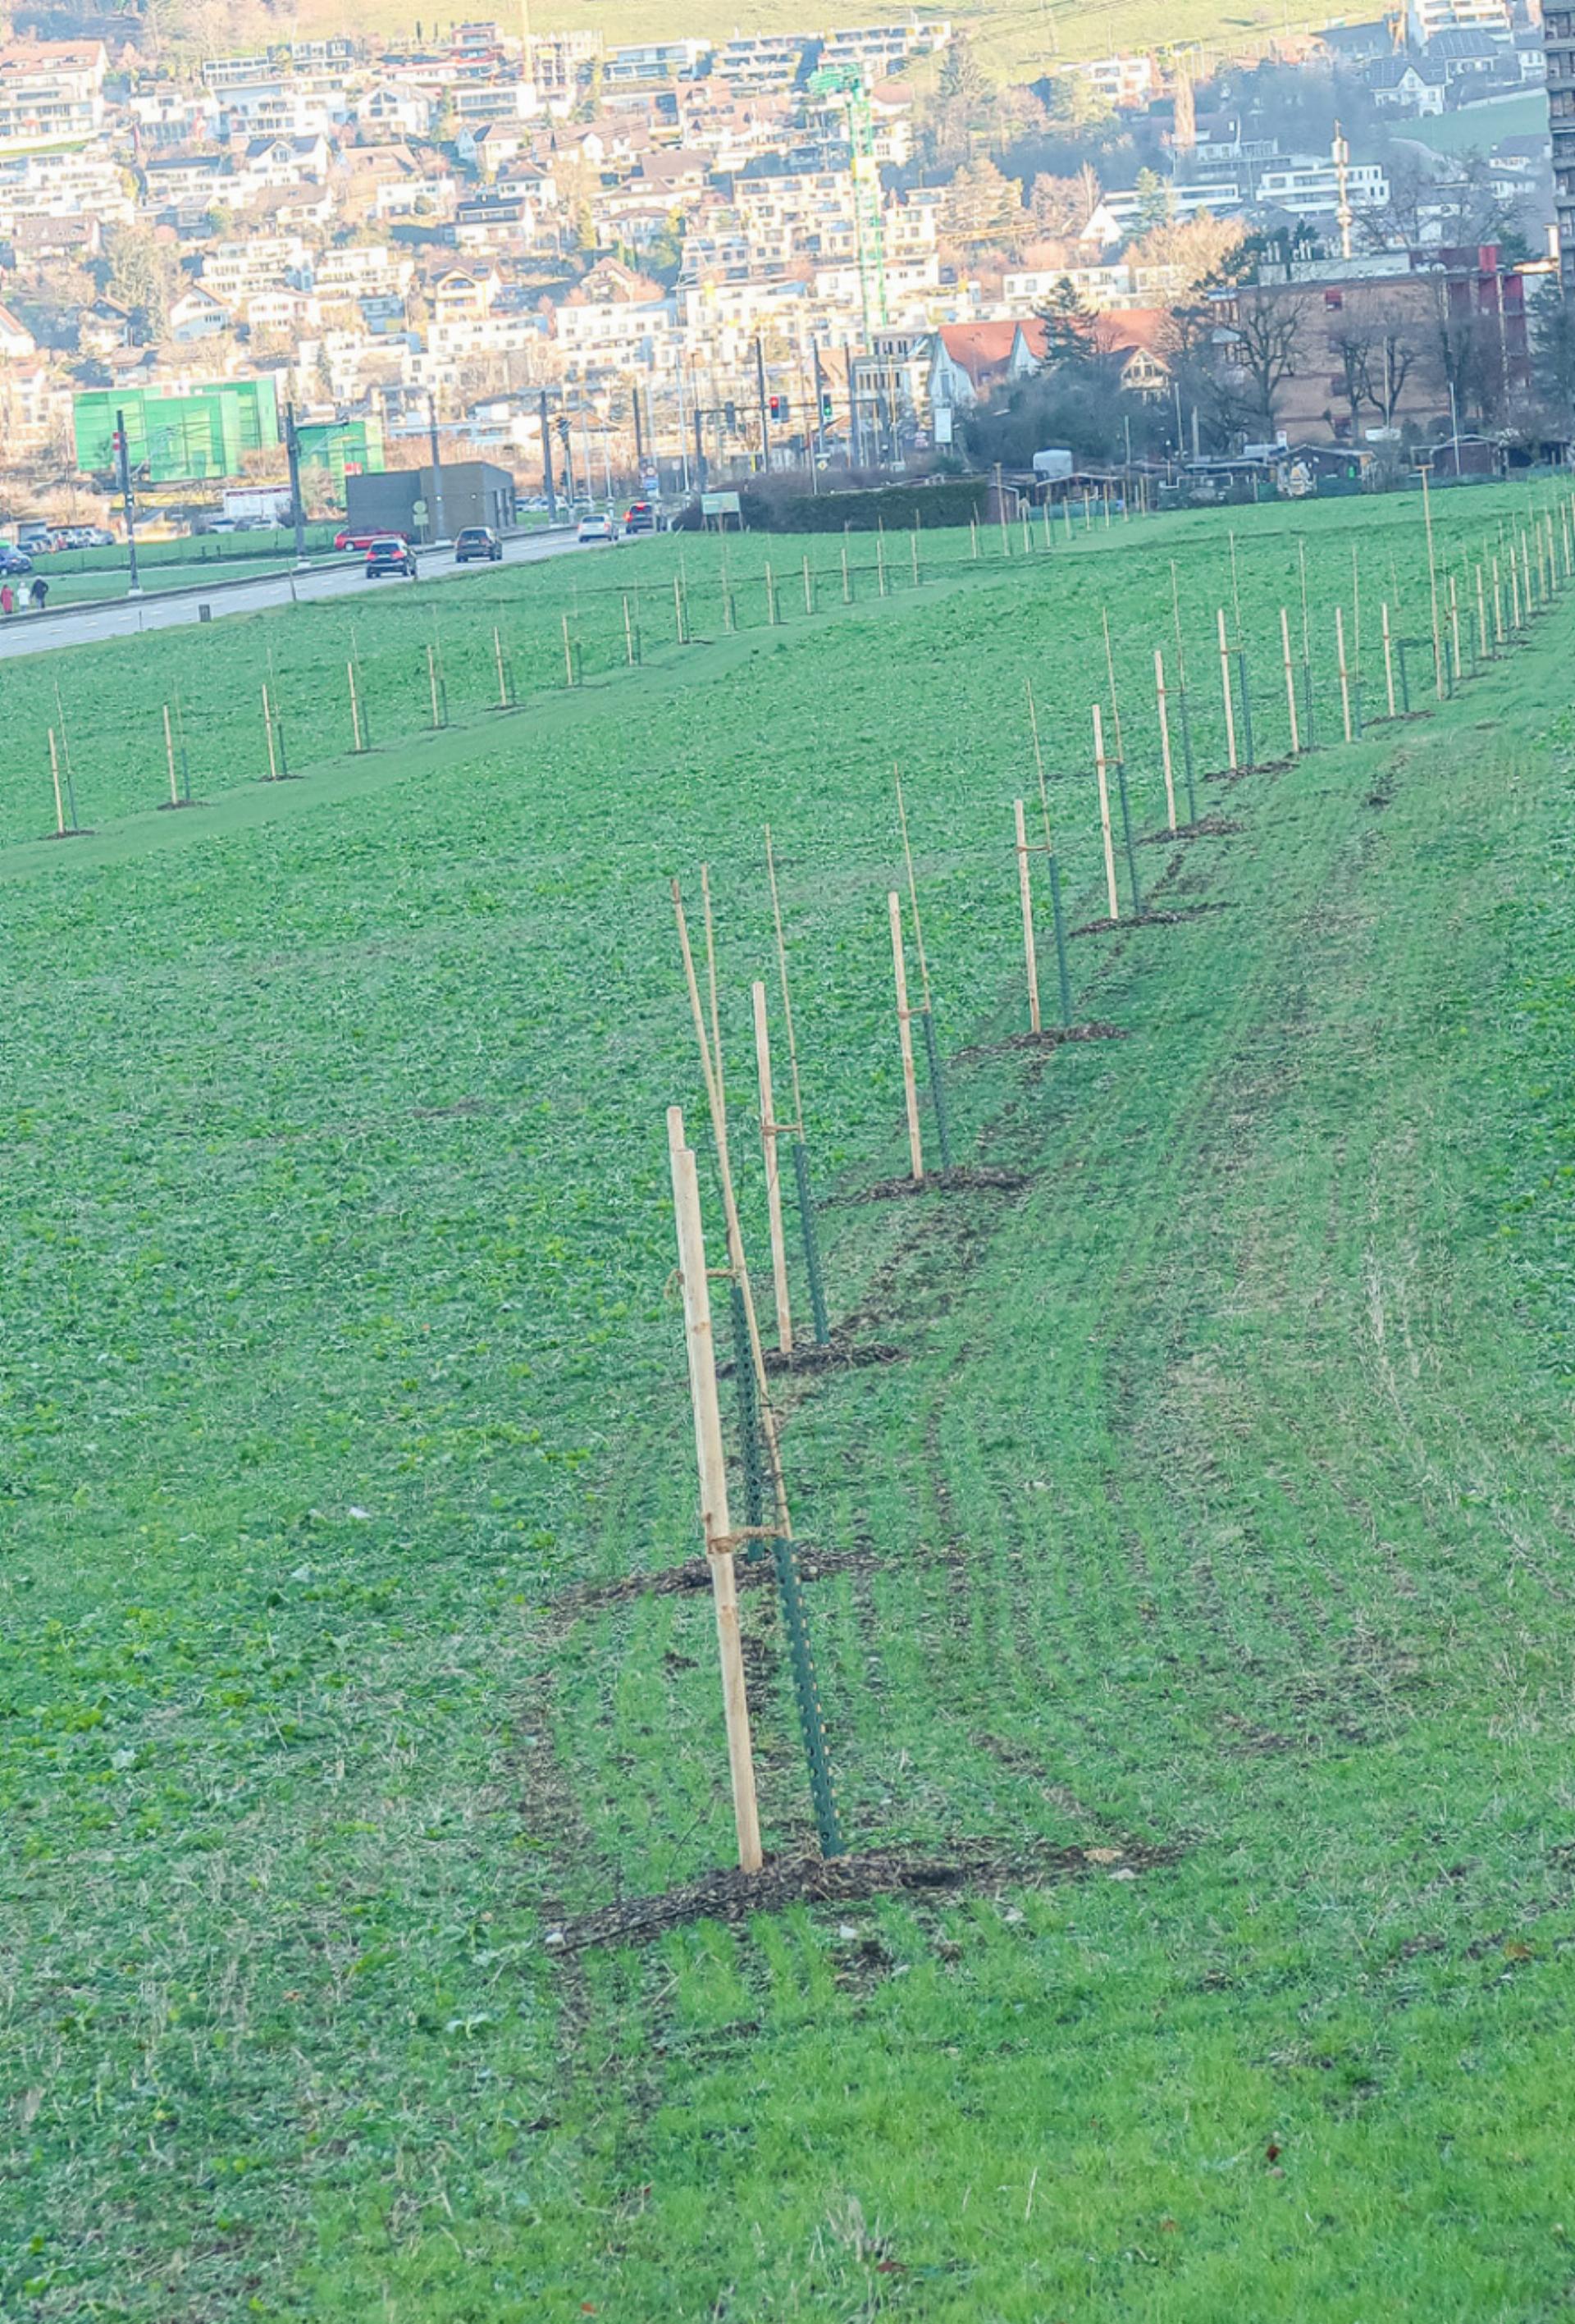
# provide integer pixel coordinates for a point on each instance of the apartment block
(1425, 19)
(1558, 42)
(52, 93)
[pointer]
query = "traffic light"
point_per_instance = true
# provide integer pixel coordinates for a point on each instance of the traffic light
(730, 413)
(775, 403)
(826, 404)
(563, 428)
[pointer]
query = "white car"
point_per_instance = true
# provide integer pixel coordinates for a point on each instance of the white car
(597, 528)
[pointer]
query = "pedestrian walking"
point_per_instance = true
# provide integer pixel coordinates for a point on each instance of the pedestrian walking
(40, 592)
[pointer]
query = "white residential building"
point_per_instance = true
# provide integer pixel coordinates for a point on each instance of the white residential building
(233, 270)
(1311, 188)
(71, 185)
(1126, 82)
(52, 93)
(1425, 19)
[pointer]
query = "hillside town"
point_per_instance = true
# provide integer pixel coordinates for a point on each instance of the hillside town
(594, 264)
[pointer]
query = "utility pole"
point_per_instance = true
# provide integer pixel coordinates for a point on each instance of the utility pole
(546, 461)
(1342, 154)
(855, 444)
(123, 462)
(438, 535)
(683, 431)
(639, 446)
(297, 513)
(700, 470)
(818, 439)
(760, 393)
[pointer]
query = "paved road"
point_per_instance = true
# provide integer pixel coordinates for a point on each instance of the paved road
(333, 576)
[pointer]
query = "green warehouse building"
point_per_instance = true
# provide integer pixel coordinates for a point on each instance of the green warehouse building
(178, 438)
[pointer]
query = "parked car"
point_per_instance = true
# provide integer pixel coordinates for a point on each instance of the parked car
(597, 529)
(218, 525)
(14, 561)
(390, 553)
(477, 542)
(362, 537)
(639, 517)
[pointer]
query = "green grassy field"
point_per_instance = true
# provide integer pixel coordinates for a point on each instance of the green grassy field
(1017, 41)
(1202, 1558)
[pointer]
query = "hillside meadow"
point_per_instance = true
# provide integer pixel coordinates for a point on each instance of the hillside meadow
(1192, 1579)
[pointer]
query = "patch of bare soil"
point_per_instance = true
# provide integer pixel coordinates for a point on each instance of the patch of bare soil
(836, 1356)
(960, 1181)
(812, 1879)
(1207, 827)
(1147, 920)
(1055, 1036)
(1239, 774)
(694, 1573)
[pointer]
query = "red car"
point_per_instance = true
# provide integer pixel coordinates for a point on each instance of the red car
(364, 538)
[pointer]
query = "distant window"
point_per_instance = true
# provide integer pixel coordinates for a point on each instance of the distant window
(1334, 299)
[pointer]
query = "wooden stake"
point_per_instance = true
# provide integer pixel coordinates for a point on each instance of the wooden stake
(55, 778)
(1290, 683)
(1225, 687)
(568, 659)
(1438, 668)
(721, 1089)
(627, 643)
(711, 1065)
(1497, 608)
(1389, 660)
(715, 1521)
(913, 551)
(916, 1151)
(809, 589)
(787, 997)
(773, 1176)
(354, 706)
(1111, 680)
(1025, 891)
(432, 684)
(1165, 735)
(1482, 617)
(268, 730)
(1455, 627)
(1513, 589)
(1344, 674)
(847, 591)
(1099, 741)
(169, 757)
(678, 612)
(919, 925)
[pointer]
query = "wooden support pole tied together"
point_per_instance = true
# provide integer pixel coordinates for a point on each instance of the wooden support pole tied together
(1026, 892)
(915, 1151)
(1225, 689)
(1290, 683)
(1098, 744)
(1164, 736)
(768, 1133)
(716, 1523)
